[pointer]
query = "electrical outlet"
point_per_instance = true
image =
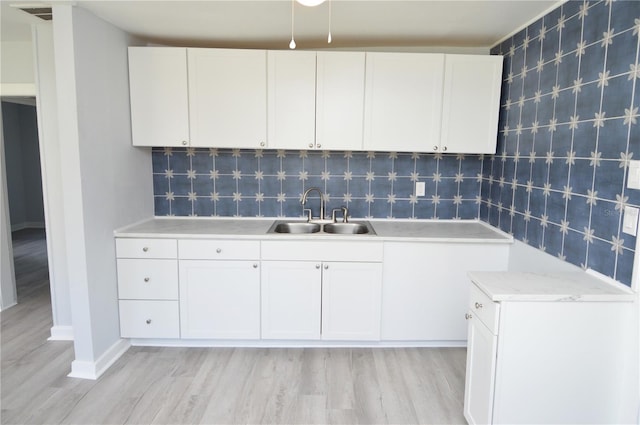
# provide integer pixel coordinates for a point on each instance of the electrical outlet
(420, 188)
(633, 179)
(630, 221)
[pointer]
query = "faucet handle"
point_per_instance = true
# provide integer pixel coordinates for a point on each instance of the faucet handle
(308, 211)
(345, 213)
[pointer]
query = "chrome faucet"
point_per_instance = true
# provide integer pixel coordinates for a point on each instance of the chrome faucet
(308, 210)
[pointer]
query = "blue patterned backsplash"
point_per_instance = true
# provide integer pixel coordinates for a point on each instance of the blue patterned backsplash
(270, 183)
(568, 128)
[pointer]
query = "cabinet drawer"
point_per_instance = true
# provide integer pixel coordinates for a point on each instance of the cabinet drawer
(146, 248)
(483, 308)
(149, 319)
(218, 250)
(147, 279)
(368, 251)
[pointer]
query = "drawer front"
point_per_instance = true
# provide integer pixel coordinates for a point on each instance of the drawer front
(368, 251)
(149, 319)
(146, 248)
(483, 308)
(147, 279)
(218, 250)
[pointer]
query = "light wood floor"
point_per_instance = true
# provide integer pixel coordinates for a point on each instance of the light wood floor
(221, 385)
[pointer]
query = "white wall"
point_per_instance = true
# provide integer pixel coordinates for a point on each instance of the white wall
(16, 69)
(52, 186)
(107, 182)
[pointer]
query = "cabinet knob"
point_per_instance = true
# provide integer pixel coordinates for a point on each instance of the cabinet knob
(310, 145)
(262, 144)
(146, 279)
(435, 148)
(318, 145)
(148, 321)
(478, 306)
(255, 266)
(467, 316)
(317, 266)
(184, 143)
(444, 149)
(145, 249)
(219, 250)
(326, 267)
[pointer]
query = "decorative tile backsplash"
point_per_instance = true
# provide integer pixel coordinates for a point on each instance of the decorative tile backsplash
(568, 128)
(270, 183)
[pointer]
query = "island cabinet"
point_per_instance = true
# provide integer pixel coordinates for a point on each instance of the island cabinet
(148, 288)
(219, 289)
(426, 289)
(321, 290)
(547, 349)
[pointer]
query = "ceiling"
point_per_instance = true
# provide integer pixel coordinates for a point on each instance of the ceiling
(267, 23)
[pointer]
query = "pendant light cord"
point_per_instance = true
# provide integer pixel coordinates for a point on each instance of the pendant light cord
(329, 37)
(292, 43)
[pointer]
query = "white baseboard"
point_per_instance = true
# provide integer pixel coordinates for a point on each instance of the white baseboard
(3, 308)
(211, 343)
(61, 333)
(93, 370)
(27, 225)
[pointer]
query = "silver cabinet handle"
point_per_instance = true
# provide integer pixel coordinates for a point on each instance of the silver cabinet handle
(219, 250)
(444, 149)
(317, 266)
(146, 279)
(310, 145)
(148, 321)
(145, 249)
(318, 145)
(184, 143)
(478, 306)
(467, 316)
(326, 267)
(255, 266)
(435, 148)
(262, 144)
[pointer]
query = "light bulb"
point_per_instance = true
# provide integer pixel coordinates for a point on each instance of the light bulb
(292, 44)
(329, 38)
(310, 3)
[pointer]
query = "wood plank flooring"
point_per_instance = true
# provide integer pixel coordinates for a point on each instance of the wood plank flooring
(151, 385)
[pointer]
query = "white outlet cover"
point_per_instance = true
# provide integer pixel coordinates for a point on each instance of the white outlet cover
(630, 221)
(420, 188)
(633, 179)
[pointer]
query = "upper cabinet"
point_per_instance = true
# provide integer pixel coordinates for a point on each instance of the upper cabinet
(231, 98)
(471, 103)
(340, 100)
(291, 112)
(159, 96)
(403, 101)
(227, 97)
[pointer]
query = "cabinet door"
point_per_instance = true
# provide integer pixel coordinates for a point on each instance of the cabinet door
(291, 297)
(159, 96)
(340, 100)
(403, 101)
(219, 299)
(351, 294)
(480, 376)
(291, 110)
(425, 290)
(471, 103)
(228, 97)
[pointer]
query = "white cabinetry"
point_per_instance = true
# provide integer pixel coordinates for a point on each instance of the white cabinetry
(426, 289)
(148, 288)
(228, 97)
(291, 112)
(159, 97)
(339, 100)
(546, 349)
(471, 103)
(334, 297)
(403, 101)
(219, 289)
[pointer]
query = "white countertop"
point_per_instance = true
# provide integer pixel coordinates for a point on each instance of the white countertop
(563, 286)
(468, 231)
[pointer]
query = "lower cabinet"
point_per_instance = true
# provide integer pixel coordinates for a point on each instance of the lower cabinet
(219, 299)
(329, 300)
(149, 319)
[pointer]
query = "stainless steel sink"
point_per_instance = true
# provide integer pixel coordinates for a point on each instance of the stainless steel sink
(304, 227)
(348, 228)
(295, 227)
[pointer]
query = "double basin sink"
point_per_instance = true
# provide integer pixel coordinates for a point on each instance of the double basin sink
(305, 227)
